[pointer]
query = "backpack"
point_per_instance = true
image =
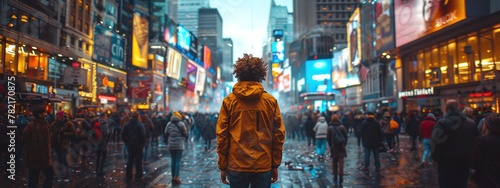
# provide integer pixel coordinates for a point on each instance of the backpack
(338, 137)
(393, 125)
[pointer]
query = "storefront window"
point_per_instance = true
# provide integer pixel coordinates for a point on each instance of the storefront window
(462, 66)
(427, 67)
(10, 59)
(475, 51)
(443, 64)
(452, 60)
(497, 48)
(486, 46)
(22, 59)
(1, 57)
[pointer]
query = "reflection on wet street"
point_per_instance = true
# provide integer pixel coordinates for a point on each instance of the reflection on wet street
(300, 168)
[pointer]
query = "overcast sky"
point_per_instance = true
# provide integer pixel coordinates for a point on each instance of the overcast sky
(245, 21)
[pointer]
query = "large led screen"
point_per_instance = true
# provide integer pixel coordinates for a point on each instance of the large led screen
(318, 78)
(354, 39)
(193, 47)
(191, 73)
(200, 80)
(417, 18)
(342, 76)
(207, 57)
(140, 42)
(184, 38)
(173, 65)
(170, 32)
(384, 37)
(278, 51)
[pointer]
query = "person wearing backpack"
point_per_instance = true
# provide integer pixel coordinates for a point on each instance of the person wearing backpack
(388, 130)
(176, 133)
(337, 140)
(101, 146)
(320, 129)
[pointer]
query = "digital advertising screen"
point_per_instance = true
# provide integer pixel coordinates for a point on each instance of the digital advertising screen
(183, 38)
(341, 76)
(191, 73)
(278, 51)
(354, 39)
(207, 57)
(159, 63)
(102, 44)
(384, 37)
(140, 42)
(173, 64)
(417, 18)
(286, 79)
(318, 78)
(170, 32)
(193, 48)
(200, 80)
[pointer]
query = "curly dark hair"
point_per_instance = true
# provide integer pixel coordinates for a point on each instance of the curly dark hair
(250, 68)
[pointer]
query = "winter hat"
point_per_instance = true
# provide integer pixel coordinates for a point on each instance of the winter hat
(492, 121)
(60, 113)
(321, 119)
(177, 114)
(431, 115)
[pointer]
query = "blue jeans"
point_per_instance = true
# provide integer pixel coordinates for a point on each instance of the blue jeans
(255, 180)
(375, 156)
(175, 164)
(320, 146)
(34, 174)
(427, 149)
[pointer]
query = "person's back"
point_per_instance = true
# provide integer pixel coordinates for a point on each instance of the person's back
(250, 129)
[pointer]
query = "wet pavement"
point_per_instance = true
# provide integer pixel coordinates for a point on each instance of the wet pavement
(199, 169)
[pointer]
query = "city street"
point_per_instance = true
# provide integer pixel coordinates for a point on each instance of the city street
(199, 169)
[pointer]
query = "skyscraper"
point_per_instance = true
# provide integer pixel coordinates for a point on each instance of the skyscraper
(187, 13)
(210, 33)
(332, 15)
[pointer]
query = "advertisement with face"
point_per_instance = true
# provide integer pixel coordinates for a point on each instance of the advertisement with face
(341, 75)
(170, 32)
(278, 50)
(417, 18)
(318, 78)
(184, 38)
(173, 64)
(383, 30)
(140, 42)
(191, 73)
(354, 39)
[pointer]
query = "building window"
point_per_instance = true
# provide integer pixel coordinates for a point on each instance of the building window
(487, 63)
(79, 24)
(72, 21)
(496, 53)
(72, 41)
(87, 47)
(2, 63)
(444, 65)
(80, 44)
(86, 29)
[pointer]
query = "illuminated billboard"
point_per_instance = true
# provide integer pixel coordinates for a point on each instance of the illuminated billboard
(318, 78)
(286, 79)
(140, 42)
(183, 38)
(193, 47)
(354, 39)
(341, 76)
(173, 64)
(200, 80)
(278, 51)
(417, 18)
(384, 31)
(191, 73)
(170, 32)
(207, 57)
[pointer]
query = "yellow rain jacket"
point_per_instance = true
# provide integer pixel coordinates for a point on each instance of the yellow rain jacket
(250, 130)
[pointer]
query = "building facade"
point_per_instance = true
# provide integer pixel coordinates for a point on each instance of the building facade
(188, 14)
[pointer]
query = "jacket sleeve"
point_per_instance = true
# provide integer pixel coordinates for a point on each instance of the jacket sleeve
(278, 138)
(222, 133)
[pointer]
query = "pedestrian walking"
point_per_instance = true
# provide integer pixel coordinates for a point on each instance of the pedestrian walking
(149, 127)
(101, 147)
(321, 129)
(36, 137)
(309, 124)
(453, 138)
(336, 131)
(176, 134)
(134, 135)
(412, 125)
(388, 131)
(208, 132)
(250, 129)
(62, 133)
(357, 122)
(372, 138)
(486, 156)
(425, 130)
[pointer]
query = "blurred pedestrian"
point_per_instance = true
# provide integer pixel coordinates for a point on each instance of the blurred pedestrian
(308, 129)
(412, 125)
(208, 132)
(425, 130)
(486, 156)
(453, 139)
(250, 129)
(36, 137)
(321, 128)
(176, 134)
(134, 135)
(357, 122)
(101, 147)
(385, 124)
(149, 127)
(338, 151)
(62, 134)
(372, 138)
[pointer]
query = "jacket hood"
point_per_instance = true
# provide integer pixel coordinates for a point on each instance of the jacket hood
(175, 119)
(248, 89)
(321, 119)
(453, 121)
(430, 118)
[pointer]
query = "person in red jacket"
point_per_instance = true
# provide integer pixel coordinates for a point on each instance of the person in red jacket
(425, 131)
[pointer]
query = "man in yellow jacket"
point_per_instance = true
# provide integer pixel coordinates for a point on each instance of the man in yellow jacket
(250, 130)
